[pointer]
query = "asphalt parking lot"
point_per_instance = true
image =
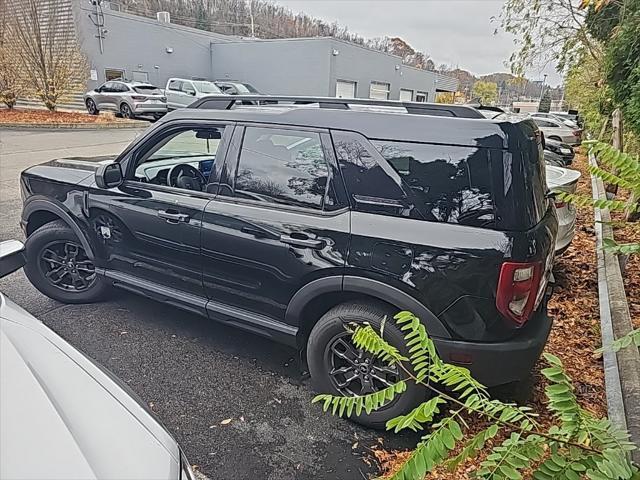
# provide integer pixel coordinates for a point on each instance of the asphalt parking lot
(193, 373)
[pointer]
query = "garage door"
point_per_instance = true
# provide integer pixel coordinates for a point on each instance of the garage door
(345, 89)
(406, 95)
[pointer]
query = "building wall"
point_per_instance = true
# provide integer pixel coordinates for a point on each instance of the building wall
(291, 67)
(138, 44)
(311, 66)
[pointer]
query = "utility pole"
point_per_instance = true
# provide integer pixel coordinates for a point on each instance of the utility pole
(544, 80)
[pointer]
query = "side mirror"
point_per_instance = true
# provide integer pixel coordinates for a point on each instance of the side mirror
(109, 175)
(192, 93)
(98, 90)
(12, 256)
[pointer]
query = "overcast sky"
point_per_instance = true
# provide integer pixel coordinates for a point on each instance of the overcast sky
(455, 32)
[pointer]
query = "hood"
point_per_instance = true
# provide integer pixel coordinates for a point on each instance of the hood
(62, 417)
(69, 169)
(562, 179)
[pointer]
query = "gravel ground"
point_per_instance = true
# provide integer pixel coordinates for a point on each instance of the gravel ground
(193, 373)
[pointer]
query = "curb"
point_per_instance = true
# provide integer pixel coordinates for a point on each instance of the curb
(74, 126)
(622, 369)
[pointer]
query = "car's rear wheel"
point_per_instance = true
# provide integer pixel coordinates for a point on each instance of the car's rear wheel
(338, 367)
(125, 111)
(91, 107)
(58, 265)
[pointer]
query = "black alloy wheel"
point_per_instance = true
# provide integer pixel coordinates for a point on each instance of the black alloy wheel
(355, 372)
(66, 266)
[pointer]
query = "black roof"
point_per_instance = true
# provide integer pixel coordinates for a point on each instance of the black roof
(373, 119)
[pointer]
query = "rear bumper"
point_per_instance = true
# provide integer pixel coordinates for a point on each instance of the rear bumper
(150, 108)
(494, 364)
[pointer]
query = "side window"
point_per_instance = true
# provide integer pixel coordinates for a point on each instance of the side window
(182, 159)
(449, 183)
(187, 87)
(544, 123)
(121, 87)
(283, 166)
(175, 85)
(107, 87)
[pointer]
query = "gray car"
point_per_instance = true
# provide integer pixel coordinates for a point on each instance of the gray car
(130, 99)
(64, 417)
(557, 130)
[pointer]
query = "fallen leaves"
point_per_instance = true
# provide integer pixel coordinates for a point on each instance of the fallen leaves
(39, 117)
(226, 421)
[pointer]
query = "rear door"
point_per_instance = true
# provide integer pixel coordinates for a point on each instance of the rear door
(279, 220)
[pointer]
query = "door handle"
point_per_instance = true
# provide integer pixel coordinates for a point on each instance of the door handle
(171, 216)
(302, 241)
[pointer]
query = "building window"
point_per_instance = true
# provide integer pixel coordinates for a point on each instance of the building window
(113, 74)
(379, 90)
(422, 97)
(345, 89)
(406, 95)
(140, 77)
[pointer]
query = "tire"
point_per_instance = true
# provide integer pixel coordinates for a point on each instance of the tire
(331, 329)
(91, 107)
(58, 266)
(125, 111)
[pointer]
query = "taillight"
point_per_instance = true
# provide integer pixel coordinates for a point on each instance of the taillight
(517, 290)
(577, 133)
(139, 97)
(560, 204)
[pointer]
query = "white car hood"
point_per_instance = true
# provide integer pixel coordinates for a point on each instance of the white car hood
(62, 417)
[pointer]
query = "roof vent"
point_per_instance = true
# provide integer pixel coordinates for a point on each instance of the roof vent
(163, 17)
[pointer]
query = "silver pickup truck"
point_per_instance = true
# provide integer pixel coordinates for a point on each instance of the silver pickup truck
(182, 92)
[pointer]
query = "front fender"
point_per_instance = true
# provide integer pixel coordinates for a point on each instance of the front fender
(39, 204)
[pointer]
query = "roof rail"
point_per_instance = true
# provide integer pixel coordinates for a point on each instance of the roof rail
(228, 102)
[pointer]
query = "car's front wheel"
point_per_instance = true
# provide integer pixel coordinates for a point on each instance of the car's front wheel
(339, 368)
(91, 107)
(58, 265)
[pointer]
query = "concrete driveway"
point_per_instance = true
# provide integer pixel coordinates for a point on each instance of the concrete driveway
(193, 373)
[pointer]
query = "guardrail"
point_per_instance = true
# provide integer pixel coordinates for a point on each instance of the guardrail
(622, 369)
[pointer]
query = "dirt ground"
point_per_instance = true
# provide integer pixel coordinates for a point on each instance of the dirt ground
(30, 117)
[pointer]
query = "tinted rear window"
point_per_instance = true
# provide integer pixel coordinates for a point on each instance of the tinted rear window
(148, 90)
(449, 183)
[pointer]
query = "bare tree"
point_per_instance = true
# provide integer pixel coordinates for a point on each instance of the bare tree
(43, 36)
(11, 80)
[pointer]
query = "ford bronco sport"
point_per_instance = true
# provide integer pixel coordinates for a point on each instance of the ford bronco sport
(293, 218)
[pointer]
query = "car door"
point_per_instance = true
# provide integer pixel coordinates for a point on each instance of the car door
(173, 92)
(187, 93)
(102, 98)
(278, 221)
(150, 225)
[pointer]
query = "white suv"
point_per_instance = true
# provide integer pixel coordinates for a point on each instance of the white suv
(182, 92)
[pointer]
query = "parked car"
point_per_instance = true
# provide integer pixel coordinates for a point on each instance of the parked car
(291, 220)
(63, 416)
(563, 180)
(182, 92)
(557, 130)
(559, 153)
(568, 122)
(129, 99)
(572, 115)
(232, 87)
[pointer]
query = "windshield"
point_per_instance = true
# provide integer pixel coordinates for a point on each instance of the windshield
(245, 88)
(206, 87)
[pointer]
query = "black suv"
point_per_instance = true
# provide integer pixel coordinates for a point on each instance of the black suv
(291, 219)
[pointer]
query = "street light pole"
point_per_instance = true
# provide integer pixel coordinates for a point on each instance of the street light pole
(544, 80)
